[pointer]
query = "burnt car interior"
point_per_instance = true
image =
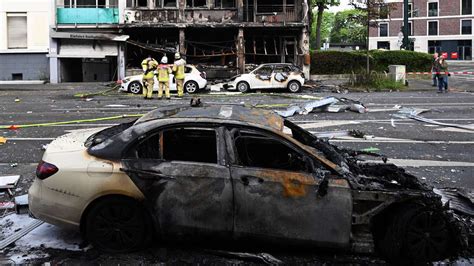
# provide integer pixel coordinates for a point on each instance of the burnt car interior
(180, 144)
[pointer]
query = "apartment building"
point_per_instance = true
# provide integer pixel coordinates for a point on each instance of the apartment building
(443, 26)
(98, 40)
(24, 42)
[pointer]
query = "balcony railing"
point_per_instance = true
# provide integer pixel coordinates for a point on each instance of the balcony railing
(272, 14)
(87, 15)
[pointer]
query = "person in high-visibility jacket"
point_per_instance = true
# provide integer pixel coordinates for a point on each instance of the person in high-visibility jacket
(178, 69)
(149, 66)
(164, 72)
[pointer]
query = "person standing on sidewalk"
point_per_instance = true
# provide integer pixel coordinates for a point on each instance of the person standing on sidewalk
(442, 67)
(434, 71)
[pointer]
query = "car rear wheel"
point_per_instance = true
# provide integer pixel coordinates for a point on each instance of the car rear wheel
(294, 86)
(416, 234)
(118, 225)
(191, 87)
(135, 87)
(243, 87)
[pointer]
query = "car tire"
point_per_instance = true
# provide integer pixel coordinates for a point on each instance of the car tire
(118, 224)
(294, 86)
(243, 87)
(191, 87)
(135, 87)
(416, 234)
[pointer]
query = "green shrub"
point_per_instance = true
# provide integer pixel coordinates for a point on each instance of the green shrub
(374, 80)
(338, 62)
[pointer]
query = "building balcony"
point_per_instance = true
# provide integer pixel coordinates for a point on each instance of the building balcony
(87, 15)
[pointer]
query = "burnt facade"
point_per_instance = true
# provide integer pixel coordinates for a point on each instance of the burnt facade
(230, 33)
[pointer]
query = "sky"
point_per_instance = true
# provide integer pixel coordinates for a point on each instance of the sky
(343, 6)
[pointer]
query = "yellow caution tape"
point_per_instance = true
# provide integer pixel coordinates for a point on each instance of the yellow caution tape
(71, 122)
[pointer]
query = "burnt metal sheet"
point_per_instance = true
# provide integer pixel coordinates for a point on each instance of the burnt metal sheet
(286, 205)
(185, 198)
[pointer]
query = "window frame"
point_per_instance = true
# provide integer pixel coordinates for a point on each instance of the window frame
(233, 149)
(461, 27)
(8, 41)
(221, 7)
(428, 8)
(461, 9)
(193, 7)
(428, 27)
(380, 29)
(132, 147)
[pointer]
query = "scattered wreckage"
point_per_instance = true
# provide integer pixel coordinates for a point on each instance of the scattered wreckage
(231, 172)
(269, 76)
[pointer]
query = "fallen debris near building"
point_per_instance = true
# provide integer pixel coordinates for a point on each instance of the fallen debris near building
(328, 104)
(9, 181)
(19, 234)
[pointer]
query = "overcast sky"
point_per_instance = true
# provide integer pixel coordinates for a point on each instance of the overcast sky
(343, 6)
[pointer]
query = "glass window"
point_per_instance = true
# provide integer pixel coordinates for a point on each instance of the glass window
(129, 3)
(86, 3)
(433, 28)
(17, 34)
(433, 9)
(410, 28)
(169, 3)
(383, 12)
(256, 150)
(383, 30)
(224, 3)
(410, 10)
(383, 45)
(466, 7)
(466, 27)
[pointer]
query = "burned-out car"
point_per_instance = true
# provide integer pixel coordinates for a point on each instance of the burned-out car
(269, 76)
(232, 172)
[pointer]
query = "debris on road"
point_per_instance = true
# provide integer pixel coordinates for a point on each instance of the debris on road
(19, 234)
(460, 200)
(328, 104)
(9, 181)
(259, 257)
(21, 204)
(3, 140)
(342, 133)
(414, 114)
(7, 205)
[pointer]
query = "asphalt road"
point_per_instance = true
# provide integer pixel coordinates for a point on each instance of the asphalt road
(441, 156)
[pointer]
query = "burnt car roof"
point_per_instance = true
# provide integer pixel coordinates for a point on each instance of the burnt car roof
(264, 118)
(110, 143)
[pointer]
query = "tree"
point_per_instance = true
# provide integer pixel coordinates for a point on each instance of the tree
(326, 28)
(349, 27)
(321, 5)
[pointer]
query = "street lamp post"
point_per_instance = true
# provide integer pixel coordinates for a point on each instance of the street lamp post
(406, 31)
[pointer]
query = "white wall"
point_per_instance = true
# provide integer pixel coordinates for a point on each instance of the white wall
(38, 18)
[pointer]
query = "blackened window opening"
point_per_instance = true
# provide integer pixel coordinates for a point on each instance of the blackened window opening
(191, 145)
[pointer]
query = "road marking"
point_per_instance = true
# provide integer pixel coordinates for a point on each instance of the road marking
(457, 130)
(394, 140)
(424, 163)
(33, 139)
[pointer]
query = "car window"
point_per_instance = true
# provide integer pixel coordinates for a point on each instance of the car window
(178, 144)
(188, 70)
(282, 69)
(258, 150)
(264, 70)
(190, 144)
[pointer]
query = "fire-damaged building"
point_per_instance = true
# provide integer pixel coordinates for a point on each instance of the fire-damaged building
(119, 34)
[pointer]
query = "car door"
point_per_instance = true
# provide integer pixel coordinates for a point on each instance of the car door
(182, 173)
(281, 193)
(261, 78)
(281, 74)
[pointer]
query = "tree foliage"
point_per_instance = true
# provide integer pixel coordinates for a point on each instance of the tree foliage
(321, 5)
(326, 28)
(349, 27)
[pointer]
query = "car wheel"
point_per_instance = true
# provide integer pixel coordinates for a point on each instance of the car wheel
(416, 234)
(118, 225)
(191, 87)
(243, 87)
(135, 87)
(294, 86)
